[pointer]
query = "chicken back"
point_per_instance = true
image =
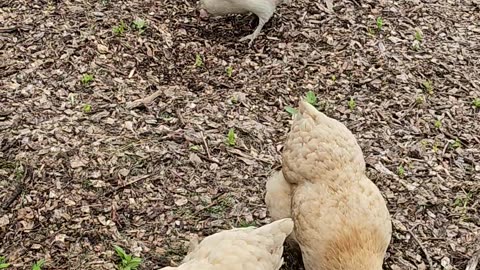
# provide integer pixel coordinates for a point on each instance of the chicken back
(240, 249)
(341, 219)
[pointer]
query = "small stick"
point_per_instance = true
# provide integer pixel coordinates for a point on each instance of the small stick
(427, 255)
(206, 145)
(148, 99)
(144, 101)
(14, 196)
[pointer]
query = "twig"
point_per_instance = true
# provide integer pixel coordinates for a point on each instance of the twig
(140, 178)
(472, 264)
(206, 145)
(144, 101)
(427, 255)
(14, 196)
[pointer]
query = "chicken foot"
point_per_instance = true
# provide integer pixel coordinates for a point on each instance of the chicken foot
(254, 35)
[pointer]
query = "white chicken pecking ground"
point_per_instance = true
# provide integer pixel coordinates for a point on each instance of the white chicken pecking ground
(341, 219)
(264, 9)
(240, 249)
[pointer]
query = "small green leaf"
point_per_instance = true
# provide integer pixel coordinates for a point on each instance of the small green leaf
(418, 36)
(140, 25)
(438, 124)
(435, 147)
(476, 103)
(38, 265)
(198, 60)
(120, 29)
(229, 71)
(194, 147)
(291, 110)
(128, 261)
(231, 140)
(86, 79)
(352, 104)
(379, 23)
(87, 108)
(135, 262)
(246, 224)
(428, 85)
(401, 171)
(311, 98)
(121, 253)
(456, 144)
(420, 99)
(3, 263)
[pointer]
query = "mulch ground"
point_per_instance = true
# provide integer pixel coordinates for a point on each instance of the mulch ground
(81, 169)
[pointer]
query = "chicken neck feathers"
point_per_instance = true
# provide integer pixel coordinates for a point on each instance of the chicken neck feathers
(319, 148)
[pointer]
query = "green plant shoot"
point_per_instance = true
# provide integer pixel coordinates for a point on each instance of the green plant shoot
(231, 140)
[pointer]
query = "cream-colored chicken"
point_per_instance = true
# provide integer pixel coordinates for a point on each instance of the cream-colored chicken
(264, 9)
(341, 219)
(240, 249)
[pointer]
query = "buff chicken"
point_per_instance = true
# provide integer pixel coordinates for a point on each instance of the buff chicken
(341, 221)
(240, 249)
(264, 10)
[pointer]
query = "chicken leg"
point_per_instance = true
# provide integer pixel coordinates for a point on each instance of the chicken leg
(263, 9)
(264, 15)
(255, 34)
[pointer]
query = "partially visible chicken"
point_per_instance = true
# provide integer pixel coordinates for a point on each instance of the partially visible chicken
(264, 9)
(341, 219)
(240, 249)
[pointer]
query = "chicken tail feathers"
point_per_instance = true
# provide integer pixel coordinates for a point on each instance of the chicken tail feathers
(279, 196)
(278, 229)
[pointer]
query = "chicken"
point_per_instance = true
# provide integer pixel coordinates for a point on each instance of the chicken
(264, 9)
(341, 219)
(240, 249)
